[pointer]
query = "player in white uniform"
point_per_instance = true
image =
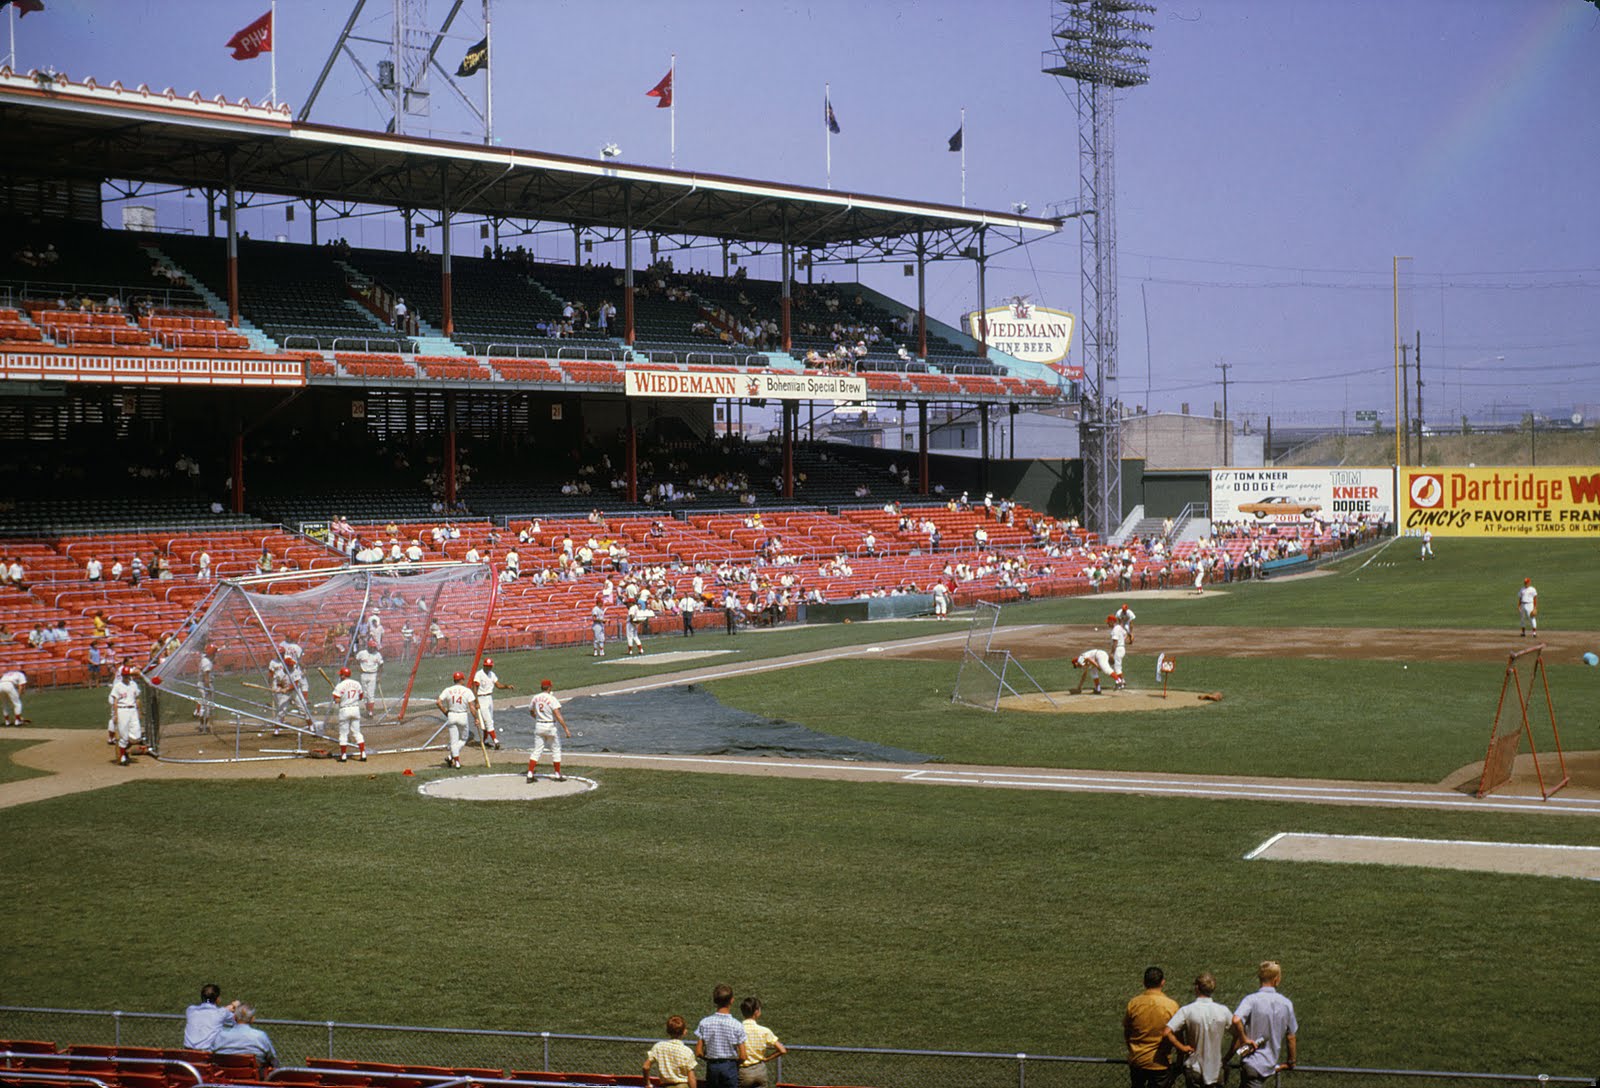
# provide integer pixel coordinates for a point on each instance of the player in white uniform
(1126, 616)
(1427, 544)
(1096, 660)
(485, 683)
(124, 701)
(546, 711)
(207, 685)
(598, 615)
(1119, 650)
(637, 614)
(457, 702)
(290, 647)
(375, 630)
(299, 687)
(941, 601)
(11, 684)
(370, 661)
(282, 692)
(1528, 607)
(348, 696)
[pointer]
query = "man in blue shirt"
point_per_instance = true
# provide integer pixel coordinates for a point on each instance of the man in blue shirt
(1265, 1019)
(202, 1022)
(721, 1041)
(241, 1038)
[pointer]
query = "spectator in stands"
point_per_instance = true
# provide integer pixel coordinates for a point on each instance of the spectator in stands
(16, 576)
(93, 569)
(1268, 1017)
(97, 623)
(36, 637)
(241, 1038)
(202, 1022)
(1143, 1024)
(760, 1043)
(673, 1059)
(720, 1040)
(1205, 1024)
(264, 563)
(97, 661)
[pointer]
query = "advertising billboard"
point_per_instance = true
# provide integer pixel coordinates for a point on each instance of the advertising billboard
(1023, 330)
(1501, 501)
(1295, 495)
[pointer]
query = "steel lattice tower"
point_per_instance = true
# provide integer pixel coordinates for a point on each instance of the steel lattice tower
(1100, 48)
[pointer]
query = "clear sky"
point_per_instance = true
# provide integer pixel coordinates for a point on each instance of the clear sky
(1284, 152)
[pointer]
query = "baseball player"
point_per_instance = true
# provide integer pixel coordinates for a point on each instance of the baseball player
(282, 689)
(1528, 607)
(598, 615)
(456, 701)
(630, 627)
(348, 696)
(1126, 616)
(1096, 660)
(1119, 650)
(124, 701)
(1427, 544)
(941, 601)
(375, 630)
(485, 682)
(207, 685)
(290, 647)
(299, 687)
(546, 711)
(11, 684)
(370, 661)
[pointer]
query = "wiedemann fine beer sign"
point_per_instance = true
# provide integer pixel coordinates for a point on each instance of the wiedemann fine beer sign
(772, 385)
(1034, 334)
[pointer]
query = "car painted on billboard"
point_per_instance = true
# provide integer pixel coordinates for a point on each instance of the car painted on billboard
(1278, 506)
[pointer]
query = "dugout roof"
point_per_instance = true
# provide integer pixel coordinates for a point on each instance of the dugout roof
(56, 127)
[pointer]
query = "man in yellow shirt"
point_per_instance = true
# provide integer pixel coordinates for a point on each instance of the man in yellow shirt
(673, 1059)
(1143, 1025)
(760, 1045)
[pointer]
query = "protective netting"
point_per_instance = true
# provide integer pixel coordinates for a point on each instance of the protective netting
(255, 676)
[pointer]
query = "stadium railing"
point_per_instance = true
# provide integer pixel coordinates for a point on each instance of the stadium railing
(485, 1051)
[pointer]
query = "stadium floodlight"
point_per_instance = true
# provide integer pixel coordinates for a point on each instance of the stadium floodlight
(610, 151)
(1019, 206)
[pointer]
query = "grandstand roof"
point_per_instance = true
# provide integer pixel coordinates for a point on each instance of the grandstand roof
(55, 127)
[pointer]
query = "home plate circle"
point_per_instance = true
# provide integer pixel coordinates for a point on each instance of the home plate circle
(505, 787)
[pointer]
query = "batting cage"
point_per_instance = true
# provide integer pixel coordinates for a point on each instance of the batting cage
(254, 678)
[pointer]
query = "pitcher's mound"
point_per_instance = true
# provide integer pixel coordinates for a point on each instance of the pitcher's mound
(1112, 702)
(505, 787)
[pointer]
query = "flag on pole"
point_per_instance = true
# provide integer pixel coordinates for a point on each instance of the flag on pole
(253, 40)
(956, 140)
(662, 91)
(828, 117)
(24, 6)
(476, 60)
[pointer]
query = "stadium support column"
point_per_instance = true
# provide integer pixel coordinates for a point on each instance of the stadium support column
(577, 246)
(631, 454)
(449, 449)
(983, 303)
(233, 249)
(922, 446)
(983, 425)
(791, 420)
(922, 296)
(446, 317)
(786, 300)
(312, 204)
(236, 466)
(627, 272)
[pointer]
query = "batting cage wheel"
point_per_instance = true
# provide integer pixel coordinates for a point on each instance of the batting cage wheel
(263, 654)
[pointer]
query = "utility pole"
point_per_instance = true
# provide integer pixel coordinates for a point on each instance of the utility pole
(1226, 450)
(1404, 422)
(1418, 358)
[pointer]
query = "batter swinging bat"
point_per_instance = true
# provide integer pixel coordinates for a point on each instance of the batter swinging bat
(324, 673)
(258, 687)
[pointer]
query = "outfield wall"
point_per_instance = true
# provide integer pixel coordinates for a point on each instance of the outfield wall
(1501, 502)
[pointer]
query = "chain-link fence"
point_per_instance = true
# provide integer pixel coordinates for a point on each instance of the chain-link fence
(536, 1051)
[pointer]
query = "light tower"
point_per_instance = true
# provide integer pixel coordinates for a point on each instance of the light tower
(1100, 47)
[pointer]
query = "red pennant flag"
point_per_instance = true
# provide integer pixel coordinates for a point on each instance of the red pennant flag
(253, 40)
(662, 91)
(24, 6)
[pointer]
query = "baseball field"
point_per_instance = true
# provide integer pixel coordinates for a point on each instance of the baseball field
(1011, 910)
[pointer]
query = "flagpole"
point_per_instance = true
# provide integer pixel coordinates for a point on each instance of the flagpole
(11, 28)
(488, 81)
(672, 81)
(272, 25)
(827, 104)
(963, 131)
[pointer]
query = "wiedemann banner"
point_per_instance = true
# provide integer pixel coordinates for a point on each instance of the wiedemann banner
(744, 386)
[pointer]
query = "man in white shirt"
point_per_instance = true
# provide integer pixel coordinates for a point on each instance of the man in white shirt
(546, 711)
(1528, 607)
(348, 695)
(93, 569)
(1199, 1031)
(370, 661)
(485, 683)
(124, 700)
(456, 701)
(12, 683)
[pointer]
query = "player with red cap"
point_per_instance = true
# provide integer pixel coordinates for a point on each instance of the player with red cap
(546, 711)
(1528, 607)
(369, 660)
(348, 695)
(1119, 649)
(484, 684)
(124, 700)
(457, 701)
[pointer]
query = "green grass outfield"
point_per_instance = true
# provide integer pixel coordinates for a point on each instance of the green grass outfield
(867, 914)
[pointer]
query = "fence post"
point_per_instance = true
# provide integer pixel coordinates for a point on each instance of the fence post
(330, 1038)
(545, 1035)
(116, 1026)
(1022, 1071)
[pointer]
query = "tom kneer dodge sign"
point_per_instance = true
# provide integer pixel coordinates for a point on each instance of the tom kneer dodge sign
(773, 385)
(1292, 495)
(1502, 501)
(1034, 334)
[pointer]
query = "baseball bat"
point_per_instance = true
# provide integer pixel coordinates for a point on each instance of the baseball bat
(477, 723)
(324, 673)
(258, 687)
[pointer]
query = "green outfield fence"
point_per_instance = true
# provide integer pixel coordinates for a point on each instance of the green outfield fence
(298, 1040)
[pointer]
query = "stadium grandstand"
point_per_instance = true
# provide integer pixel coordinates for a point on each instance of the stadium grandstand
(180, 408)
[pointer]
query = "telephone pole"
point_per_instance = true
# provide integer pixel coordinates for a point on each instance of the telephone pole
(1226, 431)
(1404, 422)
(1418, 359)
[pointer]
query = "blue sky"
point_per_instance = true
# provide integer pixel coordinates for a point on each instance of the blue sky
(1284, 152)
